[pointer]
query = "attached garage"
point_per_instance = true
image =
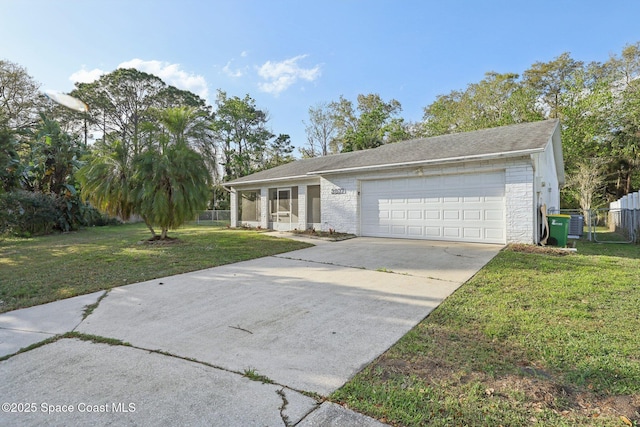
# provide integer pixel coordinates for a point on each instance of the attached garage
(485, 186)
(463, 208)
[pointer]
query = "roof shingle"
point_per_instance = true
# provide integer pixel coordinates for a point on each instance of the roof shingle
(506, 140)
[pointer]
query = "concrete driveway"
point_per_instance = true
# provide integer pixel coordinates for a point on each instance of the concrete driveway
(254, 343)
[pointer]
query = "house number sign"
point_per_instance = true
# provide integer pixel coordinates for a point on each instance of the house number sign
(338, 191)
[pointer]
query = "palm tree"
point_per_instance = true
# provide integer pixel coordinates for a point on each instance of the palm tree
(106, 180)
(192, 127)
(166, 183)
(172, 181)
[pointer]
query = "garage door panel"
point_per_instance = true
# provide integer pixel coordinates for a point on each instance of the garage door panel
(453, 232)
(433, 232)
(496, 199)
(494, 215)
(381, 229)
(415, 231)
(469, 199)
(472, 215)
(384, 214)
(414, 214)
(456, 207)
(494, 234)
(397, 214)
(450, 215)
(398, 230)
(472, 233)
(432, 214)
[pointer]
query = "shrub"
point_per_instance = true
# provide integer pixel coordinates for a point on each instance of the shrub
(92, 217)
(27, 213)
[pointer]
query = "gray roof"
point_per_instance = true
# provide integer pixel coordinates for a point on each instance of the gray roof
(506, 141)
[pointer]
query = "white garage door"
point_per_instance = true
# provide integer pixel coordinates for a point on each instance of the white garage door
(466, 208)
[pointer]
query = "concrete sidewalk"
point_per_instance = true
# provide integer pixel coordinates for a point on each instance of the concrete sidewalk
(200, 345)
(22, 328)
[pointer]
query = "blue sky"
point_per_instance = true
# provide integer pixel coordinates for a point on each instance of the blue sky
(290, 55)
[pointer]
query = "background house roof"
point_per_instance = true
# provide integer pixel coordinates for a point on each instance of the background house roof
(505, 141)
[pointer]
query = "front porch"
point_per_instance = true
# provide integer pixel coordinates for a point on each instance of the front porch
(286, 208)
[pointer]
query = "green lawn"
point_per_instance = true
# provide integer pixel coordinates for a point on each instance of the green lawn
(43, 269)
(532, 339)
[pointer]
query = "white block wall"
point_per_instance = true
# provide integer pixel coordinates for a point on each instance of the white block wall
(520, 206)
(234, 207)
(340, 212)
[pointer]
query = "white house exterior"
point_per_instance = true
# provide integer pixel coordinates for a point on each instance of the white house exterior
(484, 186)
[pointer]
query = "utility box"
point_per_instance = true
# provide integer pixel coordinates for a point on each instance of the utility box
(558, 229)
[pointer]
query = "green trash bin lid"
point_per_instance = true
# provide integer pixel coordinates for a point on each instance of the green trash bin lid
(559, 216)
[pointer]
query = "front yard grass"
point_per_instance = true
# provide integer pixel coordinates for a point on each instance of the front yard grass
(532, 339)
(44, 269)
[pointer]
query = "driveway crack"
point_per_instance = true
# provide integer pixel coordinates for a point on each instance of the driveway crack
(241, 329)
(248, 373)
(379, 270)
(88, 309)
(283, 407)
(319, 262)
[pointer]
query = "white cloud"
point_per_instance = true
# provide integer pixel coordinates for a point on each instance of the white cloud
(235, 73)
(86, 76)
(279, 76)
(171, 74)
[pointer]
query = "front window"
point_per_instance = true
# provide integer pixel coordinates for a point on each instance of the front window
(249, 206)
(313, 204)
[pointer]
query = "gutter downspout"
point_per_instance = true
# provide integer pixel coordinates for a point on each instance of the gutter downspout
(537, 203)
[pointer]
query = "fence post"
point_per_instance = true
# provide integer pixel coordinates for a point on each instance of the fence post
(635, 216)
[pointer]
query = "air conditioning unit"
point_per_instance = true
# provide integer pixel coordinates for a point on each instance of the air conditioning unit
(576, 226)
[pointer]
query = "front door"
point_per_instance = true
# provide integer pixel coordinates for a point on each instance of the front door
(281, 215)
(284, 205)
